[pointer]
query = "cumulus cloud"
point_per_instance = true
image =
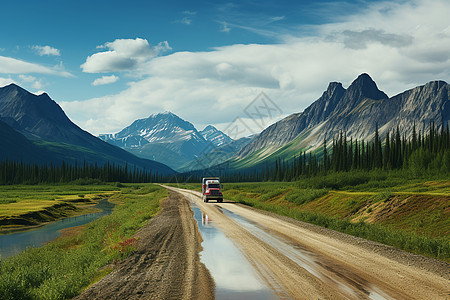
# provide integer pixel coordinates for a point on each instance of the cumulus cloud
(10, 65)
(404, 45)
(105, 80)
(46, 50)
(123, 55)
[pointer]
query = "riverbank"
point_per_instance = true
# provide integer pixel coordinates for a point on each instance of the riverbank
(24, 207)
(60, 269)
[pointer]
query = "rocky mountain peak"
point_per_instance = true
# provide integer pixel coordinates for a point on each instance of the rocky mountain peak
(333, 86)
(215, 136)
(12, 90)
(334, 92)
(210, 128)
(31, 114)
(435, 85)
(364, 87)
(167, 118)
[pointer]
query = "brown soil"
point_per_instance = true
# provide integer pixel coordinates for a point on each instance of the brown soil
(166, 263)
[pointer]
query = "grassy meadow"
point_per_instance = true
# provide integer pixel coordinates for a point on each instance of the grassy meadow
(410, 214)
(62, 268)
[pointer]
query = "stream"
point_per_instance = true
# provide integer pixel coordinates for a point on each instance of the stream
(16, 242)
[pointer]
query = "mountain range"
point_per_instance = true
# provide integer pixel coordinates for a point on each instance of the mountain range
(357, 111)
(35, 129)
(167, 138)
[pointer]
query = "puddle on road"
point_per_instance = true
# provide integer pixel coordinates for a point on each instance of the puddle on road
(234, 276)
(304, 258)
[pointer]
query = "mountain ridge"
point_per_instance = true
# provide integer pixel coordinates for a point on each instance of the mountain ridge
(358, 111)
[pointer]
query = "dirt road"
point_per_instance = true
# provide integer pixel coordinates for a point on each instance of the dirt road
(166, 264)
(303, 261)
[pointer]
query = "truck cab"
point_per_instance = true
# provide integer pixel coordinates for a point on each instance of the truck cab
(212, 189)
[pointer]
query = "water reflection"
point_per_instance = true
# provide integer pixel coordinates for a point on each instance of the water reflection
(234, 276)
(14, 243)
(304, 258)
(205, 219)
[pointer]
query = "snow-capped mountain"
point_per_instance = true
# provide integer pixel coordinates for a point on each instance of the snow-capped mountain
(163, 127)
(215, 136)
(167, 138)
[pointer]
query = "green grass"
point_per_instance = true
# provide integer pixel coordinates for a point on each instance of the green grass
(62, 268)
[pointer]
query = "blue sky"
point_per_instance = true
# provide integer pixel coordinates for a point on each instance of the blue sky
(76, 28)
(109, 63)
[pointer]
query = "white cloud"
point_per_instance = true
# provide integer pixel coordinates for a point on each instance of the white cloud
(123, 55)
(36, 83)
(10, 65)
(6, 81)
(46, 50)
(27, 78)
(403, 45)
(105, 80)
(360, 39)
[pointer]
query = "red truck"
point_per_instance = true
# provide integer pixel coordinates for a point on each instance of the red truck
(212, 189)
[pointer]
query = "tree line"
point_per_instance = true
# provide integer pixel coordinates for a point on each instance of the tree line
(12, 172)
(421, 153)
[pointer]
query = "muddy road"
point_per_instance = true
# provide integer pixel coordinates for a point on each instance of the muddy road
(294, 260)
(302, 261)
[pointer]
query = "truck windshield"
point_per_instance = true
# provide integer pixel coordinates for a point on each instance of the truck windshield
(213, 186)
